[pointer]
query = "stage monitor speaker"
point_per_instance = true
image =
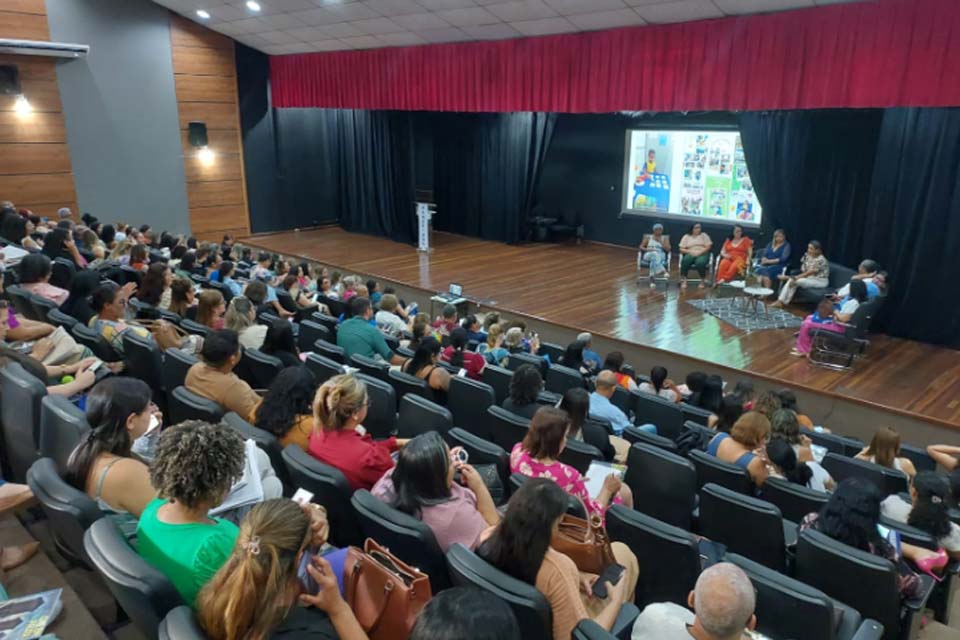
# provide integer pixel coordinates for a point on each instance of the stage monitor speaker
(197, 134)
(9, 80)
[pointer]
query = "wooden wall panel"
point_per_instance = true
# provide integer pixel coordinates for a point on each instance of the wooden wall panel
(205, 76)
(35, 170)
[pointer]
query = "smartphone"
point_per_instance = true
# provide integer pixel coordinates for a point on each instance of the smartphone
(302, 496)
(611, 574)
(96, 365)
(307, 583)
(462, 373)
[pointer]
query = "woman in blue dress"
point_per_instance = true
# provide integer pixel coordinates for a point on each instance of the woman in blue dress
(773, 259)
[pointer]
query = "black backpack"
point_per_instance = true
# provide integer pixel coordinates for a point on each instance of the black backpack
(691, 440)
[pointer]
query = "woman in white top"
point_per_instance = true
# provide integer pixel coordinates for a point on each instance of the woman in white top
(884, 450)
(387, 319)
(653, 252)
(927, 510)
(814, 274)
(660, 385)
(242, 317)
(695, 251)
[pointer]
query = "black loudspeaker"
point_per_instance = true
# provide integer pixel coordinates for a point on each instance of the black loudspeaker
(9, 80)
(197, 134)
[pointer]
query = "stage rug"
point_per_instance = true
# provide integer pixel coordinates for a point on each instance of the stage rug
(744, 316)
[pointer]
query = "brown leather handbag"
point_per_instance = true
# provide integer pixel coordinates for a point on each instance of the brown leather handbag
(585, 542)
(385, 594)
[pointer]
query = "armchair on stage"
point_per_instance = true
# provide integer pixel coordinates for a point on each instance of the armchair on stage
(840, 350)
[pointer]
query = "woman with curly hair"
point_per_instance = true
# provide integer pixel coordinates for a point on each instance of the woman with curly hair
(286, 410)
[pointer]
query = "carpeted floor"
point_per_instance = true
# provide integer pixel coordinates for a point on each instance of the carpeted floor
(747, 315)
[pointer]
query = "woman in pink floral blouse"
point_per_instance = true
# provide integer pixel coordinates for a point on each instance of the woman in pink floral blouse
(537, 457)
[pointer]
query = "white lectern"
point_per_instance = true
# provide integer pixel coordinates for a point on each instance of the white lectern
(424, 215)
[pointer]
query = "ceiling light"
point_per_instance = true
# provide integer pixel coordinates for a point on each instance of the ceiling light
(207, 156)
(253, 5)
(203, 14)
(21, 106)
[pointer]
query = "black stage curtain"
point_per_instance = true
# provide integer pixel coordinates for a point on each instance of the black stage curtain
(486, 170)
(883, 184)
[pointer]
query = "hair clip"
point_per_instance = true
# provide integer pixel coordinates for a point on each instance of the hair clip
(253, 546)
(936, 499)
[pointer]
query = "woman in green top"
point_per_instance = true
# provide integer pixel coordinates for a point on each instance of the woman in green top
(196, 465)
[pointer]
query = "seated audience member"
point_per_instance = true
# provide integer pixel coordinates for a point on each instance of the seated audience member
(869, 273)
(723, 601)
(421, 330)
(154, 290)
(473, 328)
(119, 412)
(59, 244)
(492, 318)
(287, 408)
(110, 305)
(591, 357)
(835, 323)
(711, 395)
(773, 259)
(264, 269)
(447, 322)
(214, 379)
(851, 516)
(614, 362)
(373, 292)
(814, 274)
(693, 386)
(927, 510)
(35, 269)
(291, 284)
(744, 392)
(884, 450)
(660, 385)
(226, 273)
(422, 485)
(730, 411)
(947, 456)
(77, 305)
(653, 252)
(357, 336)
(466, 612)
(694, 254)
(573, 359)
(457, 354)
(183, 298)
(492, 349)
(255, 592)
(784, 464)
(211, 308)
(576, 402)
(241, 317)
(513, 341)
(212, 264)
(601, 406)
(280, 343)
(47, 374)
(785, 426)
(17, 230)
(348, 288)
(387, 319)
(768, 403)
(748, 434)
(538, 457)
(139, 258)
(424, 365)
(520, 547)
(525, 385)
(339, 409)
(788, 400)
(185, 268)
(734, 256)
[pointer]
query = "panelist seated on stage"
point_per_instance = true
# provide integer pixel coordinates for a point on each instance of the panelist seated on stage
(734, 256)
(830, 316)
(773, 259)
(814, 274)
(654, 250)
(357, 336)
(695, 254)
(870, 274)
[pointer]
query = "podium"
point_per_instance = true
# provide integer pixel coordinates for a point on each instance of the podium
(425, 211)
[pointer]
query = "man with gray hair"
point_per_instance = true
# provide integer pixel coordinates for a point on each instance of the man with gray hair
(723, 600)
(589, 355)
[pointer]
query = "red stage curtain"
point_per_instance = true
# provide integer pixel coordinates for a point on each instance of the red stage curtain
(882, 53)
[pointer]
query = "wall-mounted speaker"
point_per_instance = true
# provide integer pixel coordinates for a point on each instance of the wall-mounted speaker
(9, 80)
(197, 134)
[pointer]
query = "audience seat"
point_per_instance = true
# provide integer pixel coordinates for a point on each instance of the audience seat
(144, 360)
(575, 506)
(499, 380)
(69, 510)
(330, 322)
(833, 443)
(265, 440)
(713, 469)
(866, 582)
(516, 360)
(919, 457)
(468, 401)
(788, 608)
(370, 366)
(404, 383)
(170, 316)
(579, 455)
(634, 435)
(794, 501)
(42, 307)
(22, 302)
(267, 318)
(407, 537)
(507, 429)
(60, 319)
(551, 350)
(664, 485)
(184, 404)
(95, 342)
(482, 452)
(129, 274)
(330, 350)
(261, 368)
(143, 592)
(310, 332)
(649, 408)
(381, 420)
(176, 364)
(695, 414)
(194, 327)
(226, 293)
(21, 395)
(62, 271)
(181, 624)
(622, 400)
(888, 481)
(746, 525)
(62, 426)
(597, 421)
(330, 489)
(669, 556)
(323, 367)
(418, 415)
(560, 379)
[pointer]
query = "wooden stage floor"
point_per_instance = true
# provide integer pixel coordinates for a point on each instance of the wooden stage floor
(593, 287)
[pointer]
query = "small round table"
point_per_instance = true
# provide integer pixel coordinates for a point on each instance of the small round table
(757, 296)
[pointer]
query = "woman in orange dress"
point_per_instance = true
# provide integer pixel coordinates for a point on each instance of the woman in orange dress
(734, 256)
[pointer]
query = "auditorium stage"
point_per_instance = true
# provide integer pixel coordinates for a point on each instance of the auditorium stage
(593, 287)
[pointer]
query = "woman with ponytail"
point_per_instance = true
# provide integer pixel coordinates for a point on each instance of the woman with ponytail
(927, 511)
(252, 596)
(119, 411)
(339, 440)
(784, 460)
(457, 354)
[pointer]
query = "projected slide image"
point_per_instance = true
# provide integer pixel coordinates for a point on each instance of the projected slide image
(689, 173)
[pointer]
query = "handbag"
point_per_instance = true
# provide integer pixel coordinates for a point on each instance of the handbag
(585, 542)
(384, 593)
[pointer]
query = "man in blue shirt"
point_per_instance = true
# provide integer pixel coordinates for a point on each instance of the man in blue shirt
(589, 355)
(601, 406)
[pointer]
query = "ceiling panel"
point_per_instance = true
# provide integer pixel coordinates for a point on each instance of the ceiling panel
(297, 26)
